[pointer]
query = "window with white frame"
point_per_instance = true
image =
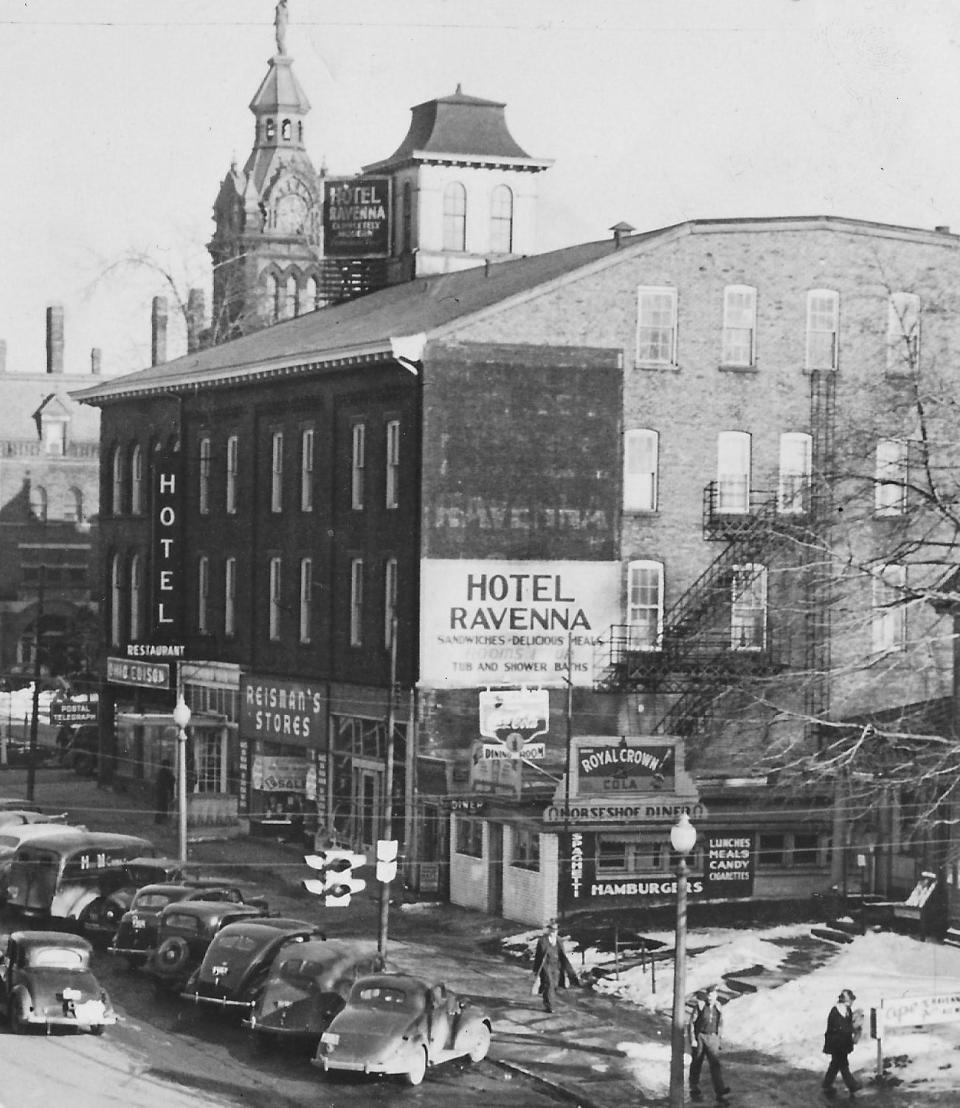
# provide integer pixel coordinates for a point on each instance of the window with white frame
(455, 217)
(136, 597)
(38, 503)
(645, 604)
(748, 607)
(469, 838)
(230, 596)
(389, 601)
(733, 473)
(629, 853)
(501, 220)
(358, 463)
(276, 472)
(73, 505)
(203, 595)
(640, 460)
(393, 464)
(356, 602)
(116, 481)
(273, 629)
(890, 609)
(116, 599)
(233, 457)
(823, 317)
(890, 485)
(204, 476)
(796, 459)
(525, 848)
(137, 497)
(306, 598)
(739, 325)
(306, 469)
(903, 333)
(656, 325)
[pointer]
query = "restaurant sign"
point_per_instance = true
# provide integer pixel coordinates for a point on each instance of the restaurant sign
(659, 809)
(729, 860)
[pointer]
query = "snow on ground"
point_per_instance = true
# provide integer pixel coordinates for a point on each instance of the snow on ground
(787, 1018)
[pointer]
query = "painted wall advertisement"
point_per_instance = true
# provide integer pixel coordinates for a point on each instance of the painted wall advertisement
(493, 622)
(356, 217)
(729, 861)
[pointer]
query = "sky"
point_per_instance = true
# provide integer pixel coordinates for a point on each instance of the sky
(786, 1019)
(121, 117)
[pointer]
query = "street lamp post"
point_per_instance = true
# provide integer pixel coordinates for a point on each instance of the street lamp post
(181, 717)
(683, 837)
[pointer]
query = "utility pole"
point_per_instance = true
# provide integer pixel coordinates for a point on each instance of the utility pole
(32, 757)
(387, 832)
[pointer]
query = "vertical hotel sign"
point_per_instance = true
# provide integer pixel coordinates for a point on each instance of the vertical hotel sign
(167, 544)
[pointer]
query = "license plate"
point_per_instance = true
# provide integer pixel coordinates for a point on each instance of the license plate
(220, 971)
(139, 924)
(91, 1011)
(330, 1037)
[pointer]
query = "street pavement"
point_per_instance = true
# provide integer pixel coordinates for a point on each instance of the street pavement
(582, 1050)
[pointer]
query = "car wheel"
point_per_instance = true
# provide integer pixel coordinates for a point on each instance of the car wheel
(172, 956)
(98, 1028)
(418, 1068)
(481, 1044)
(18, 1023)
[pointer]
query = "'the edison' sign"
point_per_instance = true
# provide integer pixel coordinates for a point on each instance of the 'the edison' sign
(167, 584)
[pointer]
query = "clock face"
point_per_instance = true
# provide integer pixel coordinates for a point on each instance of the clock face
(290, 214)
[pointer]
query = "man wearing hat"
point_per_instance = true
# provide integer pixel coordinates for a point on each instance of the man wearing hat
(705, 1032)
(838, 1043)
(551, 966)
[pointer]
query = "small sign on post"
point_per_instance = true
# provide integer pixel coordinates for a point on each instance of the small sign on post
(911, 1011)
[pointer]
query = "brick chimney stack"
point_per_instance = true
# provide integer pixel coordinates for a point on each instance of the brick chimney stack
(95, 357)
(55, 338)
(158, 321)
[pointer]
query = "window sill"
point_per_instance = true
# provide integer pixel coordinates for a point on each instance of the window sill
(641, 511)
(738, 368)
(655, 367)
(808, 369)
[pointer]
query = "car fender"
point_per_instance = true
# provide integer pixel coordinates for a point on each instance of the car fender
(71, 900)
(20, 997)
(468, 1023)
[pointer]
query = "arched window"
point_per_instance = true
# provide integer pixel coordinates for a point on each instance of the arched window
(312, 295)
(290, 298)
(276, 297)
(203, 595)
(501, 220)
(38, 503)
(455, 217)
(116, 600)
(116, 481)
(286, 129)
(136, 596)
(73, 505)
(406, 219)
(136, 480)
(271, 130)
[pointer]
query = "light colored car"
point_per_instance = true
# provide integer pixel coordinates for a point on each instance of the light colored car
(397, 1024)
(16, 817)
(13, 835)
(46, 981)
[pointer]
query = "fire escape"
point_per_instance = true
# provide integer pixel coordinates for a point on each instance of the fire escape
(719, 635)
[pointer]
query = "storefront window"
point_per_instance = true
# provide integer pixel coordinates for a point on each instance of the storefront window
(771, 850)
(526, 848)
(616, 854)
(805, 850)
(470, 837)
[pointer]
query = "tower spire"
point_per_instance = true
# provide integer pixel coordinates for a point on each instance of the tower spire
(280, 26)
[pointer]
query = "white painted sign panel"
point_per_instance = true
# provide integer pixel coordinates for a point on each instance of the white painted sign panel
(492, 622)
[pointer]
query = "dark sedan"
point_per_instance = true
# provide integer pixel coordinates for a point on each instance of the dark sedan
(238, 960)
(185, 931)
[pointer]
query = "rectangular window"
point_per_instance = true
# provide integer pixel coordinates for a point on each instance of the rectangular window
(793, 491)
(203, 595)
(656, 326)
(306, 598)
(357, 465)
(617, 855)
(470, 837)
(526, 848)
(889, 609)
(739, 325)
(748, 608)
(733, 472)
(806, 849)
(903, 333)
(306, 470)
(890, 488)
(771, 850)
(230, 596)
(645, 604)
(393, 463)
(233, 453)
(204, 477)
(276, 473)
(823, 312)
(389, 601)
(275, 584)
(640, 459)
(356, 602)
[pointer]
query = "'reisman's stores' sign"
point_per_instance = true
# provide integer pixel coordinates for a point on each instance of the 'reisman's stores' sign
(492, 622)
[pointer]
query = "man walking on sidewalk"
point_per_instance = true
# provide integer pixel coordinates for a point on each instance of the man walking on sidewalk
(705, 1041)
(551, 966)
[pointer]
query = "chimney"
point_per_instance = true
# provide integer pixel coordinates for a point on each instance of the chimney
(3, 355)
(95, 355)
(196, 310)
(620, 232)
(158, 339)
(55, 338)
(942, 229)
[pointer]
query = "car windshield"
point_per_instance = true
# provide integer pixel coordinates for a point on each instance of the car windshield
(152, 900)
(383, 996)
(56, 957)
(237, 944)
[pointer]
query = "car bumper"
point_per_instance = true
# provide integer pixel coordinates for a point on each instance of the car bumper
(355, 1065)
(218, 1001)
(91, 1014)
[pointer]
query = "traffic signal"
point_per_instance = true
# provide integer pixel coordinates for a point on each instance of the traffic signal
(386, 860)
(336, 882)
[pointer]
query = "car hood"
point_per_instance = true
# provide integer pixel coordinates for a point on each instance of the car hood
(46, 984)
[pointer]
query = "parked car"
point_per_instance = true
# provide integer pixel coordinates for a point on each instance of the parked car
(10, 802)
(12, 838)
(136, 936)
(46, 981)
(397, 1024)
(16, 817)
(68, 873)
(184, 932)
(237, 961)
(306, 986)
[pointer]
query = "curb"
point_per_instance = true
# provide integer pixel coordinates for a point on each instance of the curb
(574, 1097)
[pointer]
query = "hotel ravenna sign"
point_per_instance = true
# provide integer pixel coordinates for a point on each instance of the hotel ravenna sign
(499, 622)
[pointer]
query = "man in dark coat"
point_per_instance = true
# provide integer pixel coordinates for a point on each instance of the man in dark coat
(551, 966)
(838, 1043)
(705, 1031)
(163, 791)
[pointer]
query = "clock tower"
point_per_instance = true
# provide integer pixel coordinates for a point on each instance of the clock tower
(267, 244)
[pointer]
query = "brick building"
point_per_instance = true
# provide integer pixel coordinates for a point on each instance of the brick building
(667, 482)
